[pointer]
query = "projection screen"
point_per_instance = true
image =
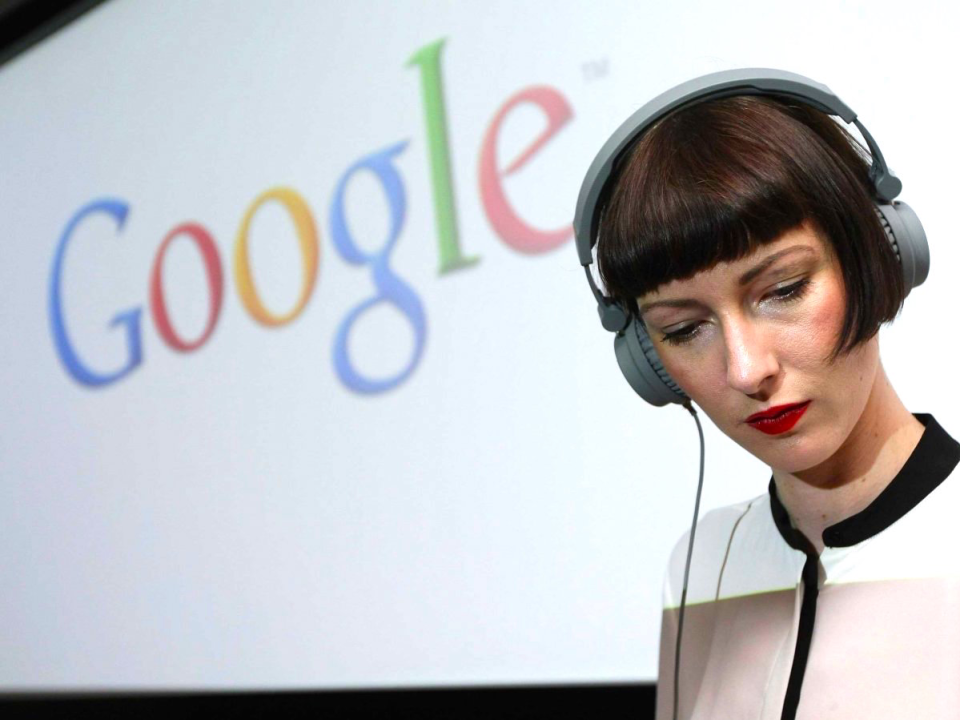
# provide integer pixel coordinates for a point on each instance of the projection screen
(303, 385)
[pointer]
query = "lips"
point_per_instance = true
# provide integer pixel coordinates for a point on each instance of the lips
(778, 419)
(774, 411)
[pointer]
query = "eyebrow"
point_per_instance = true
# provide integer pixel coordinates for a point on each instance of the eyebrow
(748, 276)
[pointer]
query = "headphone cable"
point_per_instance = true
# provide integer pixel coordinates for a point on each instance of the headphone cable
(686, 571)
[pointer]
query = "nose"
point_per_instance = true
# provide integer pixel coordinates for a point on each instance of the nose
(752, 363)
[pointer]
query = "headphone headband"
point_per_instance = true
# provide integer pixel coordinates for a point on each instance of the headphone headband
(727, 83)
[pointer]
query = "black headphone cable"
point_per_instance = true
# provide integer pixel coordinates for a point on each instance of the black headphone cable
(686, 571)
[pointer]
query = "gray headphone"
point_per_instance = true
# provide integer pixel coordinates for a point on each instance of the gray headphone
(635, 353)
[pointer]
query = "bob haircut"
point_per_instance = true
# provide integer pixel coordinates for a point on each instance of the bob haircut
(713, 182)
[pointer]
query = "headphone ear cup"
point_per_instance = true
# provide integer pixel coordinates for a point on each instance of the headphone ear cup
(642, 368)
(909, 241)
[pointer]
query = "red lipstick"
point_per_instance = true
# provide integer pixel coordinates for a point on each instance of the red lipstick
(778, 419)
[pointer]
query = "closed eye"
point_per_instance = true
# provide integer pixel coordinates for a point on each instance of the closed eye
(783, 295)
(682, 335)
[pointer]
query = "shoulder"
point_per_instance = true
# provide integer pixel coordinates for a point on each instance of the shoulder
(713, 540)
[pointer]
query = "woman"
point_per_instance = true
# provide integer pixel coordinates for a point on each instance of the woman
(740, 237)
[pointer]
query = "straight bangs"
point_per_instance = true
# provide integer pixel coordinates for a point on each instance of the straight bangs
(700, 188)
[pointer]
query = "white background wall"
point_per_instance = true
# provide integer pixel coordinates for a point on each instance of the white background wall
(235, 517)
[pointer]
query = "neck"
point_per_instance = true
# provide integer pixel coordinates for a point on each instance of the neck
(846, 483)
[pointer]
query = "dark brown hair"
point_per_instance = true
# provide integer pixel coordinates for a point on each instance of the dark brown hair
(715, 181)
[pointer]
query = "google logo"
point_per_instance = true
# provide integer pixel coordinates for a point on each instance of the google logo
(389, 288)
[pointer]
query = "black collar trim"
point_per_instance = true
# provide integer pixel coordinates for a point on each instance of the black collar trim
(934, 458)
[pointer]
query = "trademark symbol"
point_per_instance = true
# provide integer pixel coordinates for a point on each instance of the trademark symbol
(595, 69)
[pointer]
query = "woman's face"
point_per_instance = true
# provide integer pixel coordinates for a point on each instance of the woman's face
(754, 334)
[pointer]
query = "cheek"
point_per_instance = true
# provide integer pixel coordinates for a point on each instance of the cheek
(701, 377)
(810, 339)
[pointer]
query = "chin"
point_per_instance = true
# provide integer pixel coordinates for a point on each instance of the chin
(796, 454)
(789, 453)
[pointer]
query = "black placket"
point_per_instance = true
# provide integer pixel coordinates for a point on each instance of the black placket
(810, 577)
(934, 458)
(808, 614)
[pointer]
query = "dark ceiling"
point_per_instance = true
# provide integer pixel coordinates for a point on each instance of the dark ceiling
(25, 22)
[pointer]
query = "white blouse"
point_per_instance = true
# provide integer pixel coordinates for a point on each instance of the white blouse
(869, 629)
